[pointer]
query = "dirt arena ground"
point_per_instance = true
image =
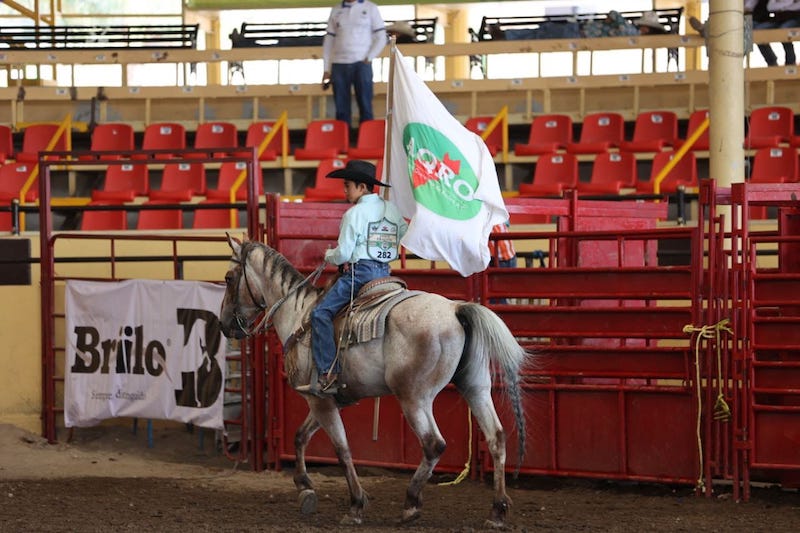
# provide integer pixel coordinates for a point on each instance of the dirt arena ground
(107, 479)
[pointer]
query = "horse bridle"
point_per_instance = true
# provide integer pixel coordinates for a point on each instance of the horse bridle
(266, 321)
(241, 321)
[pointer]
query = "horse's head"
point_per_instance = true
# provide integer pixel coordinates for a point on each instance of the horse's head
(243, 301)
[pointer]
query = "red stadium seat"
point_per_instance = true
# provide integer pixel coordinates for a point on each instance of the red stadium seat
(599, 132)
(159, 218)
(104, 220)
(774, 165)
(325, 139)
(684, 173)
(553, 174)
(371, 140)
(111, 137)
(182, 177)
(6, 224)
(548, 133)
(13, 177)
(256, 133)
(494, 141)
(220, 135)
(122, 195)
(6, 143)
(163, 136)
(326, 189)
(36, 138)
(769, 126)
(213, 218)
(652, 132)
(130, 179)
(228, 174)
(696, 119)
(611, 171)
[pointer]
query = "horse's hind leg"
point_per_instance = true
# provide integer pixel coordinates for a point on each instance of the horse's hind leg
(307, 496)
(479, 400)
(420, 418)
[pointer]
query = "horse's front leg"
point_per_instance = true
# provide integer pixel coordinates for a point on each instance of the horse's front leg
(327, 414)
(307, 496)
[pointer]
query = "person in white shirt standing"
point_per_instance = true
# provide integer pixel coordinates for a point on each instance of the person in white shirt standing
(356, 34)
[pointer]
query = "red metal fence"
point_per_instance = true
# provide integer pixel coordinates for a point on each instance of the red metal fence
(764, 299)
(120, 256)
(663, 354)
(614, 394)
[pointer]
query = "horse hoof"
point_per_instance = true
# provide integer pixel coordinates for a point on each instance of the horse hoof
(494, 524)
(350, 520)
(308, 501)
(409, 515)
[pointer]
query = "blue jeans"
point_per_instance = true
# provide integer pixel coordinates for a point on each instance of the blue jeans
(788, 47)
(323, 343)
(359, 77)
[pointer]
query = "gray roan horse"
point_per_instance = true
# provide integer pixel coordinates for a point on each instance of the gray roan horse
(428, 342)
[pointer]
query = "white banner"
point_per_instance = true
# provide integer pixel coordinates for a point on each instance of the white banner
(443, 178)
(144, 348)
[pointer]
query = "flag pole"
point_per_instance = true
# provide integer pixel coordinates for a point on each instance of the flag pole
(387, 159)
(387, 149)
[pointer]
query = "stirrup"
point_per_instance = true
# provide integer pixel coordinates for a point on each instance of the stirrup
(315, 388)
(330, 388)
(313, 384)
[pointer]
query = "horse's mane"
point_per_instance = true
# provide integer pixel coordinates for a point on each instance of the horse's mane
(277, 267)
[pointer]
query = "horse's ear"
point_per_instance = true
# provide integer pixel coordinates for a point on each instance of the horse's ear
(234, 243)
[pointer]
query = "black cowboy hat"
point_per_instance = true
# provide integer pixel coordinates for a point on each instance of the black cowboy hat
(359, 172)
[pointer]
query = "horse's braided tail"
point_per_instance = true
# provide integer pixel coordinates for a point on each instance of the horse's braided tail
(488, 331)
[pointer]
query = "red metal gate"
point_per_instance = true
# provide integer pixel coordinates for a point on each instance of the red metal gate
(765, 291)
(615, 393)
(121, 256)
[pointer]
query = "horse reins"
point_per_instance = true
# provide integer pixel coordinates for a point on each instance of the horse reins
(266, 322)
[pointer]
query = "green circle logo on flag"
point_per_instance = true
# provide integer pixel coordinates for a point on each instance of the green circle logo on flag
(441, 178)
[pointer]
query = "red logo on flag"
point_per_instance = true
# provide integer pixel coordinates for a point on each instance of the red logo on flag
(422, 175)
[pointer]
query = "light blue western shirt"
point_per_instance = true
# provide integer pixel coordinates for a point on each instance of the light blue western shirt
(353, 230)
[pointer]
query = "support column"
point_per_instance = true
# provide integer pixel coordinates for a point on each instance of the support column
(693, 56)
(726, 91)
(214, 42)
(453, 18)
(210, 27)
(457, 31)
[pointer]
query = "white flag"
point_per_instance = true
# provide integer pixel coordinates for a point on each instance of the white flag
(442, 176)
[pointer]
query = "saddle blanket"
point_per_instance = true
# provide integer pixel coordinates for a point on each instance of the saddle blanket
(366, 319)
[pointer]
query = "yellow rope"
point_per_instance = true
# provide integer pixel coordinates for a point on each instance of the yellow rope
(464, 473)
(722, 411)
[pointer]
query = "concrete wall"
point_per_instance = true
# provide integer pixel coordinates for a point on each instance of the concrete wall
(20, 355)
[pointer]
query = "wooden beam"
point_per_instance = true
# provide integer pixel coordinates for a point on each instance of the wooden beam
(30, 13)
